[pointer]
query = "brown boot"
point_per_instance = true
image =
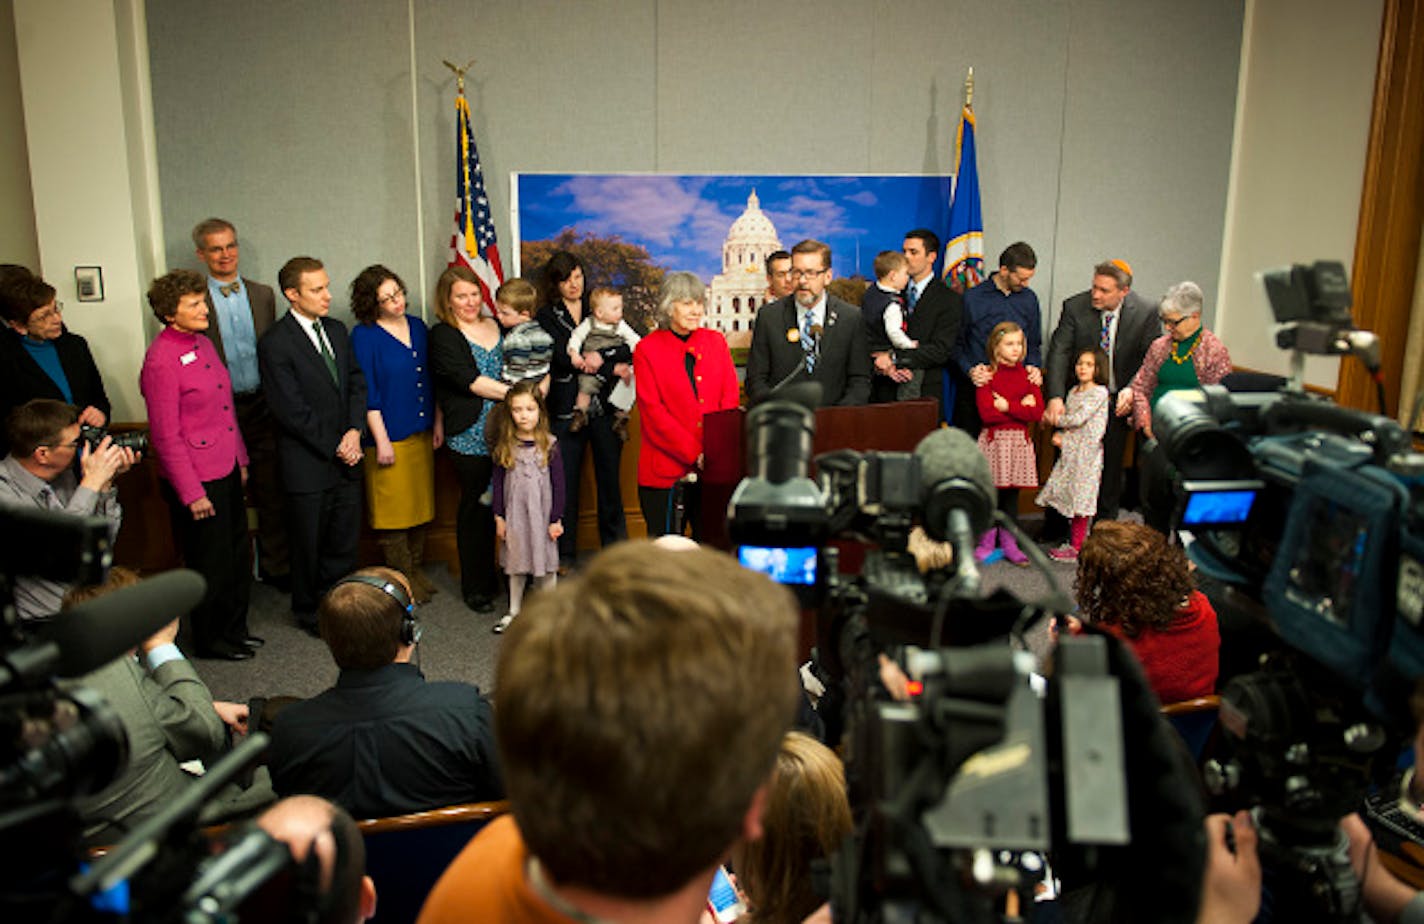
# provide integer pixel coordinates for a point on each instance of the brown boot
(396, 550)
(423, 585)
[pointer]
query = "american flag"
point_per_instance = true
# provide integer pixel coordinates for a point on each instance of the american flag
(473, 244)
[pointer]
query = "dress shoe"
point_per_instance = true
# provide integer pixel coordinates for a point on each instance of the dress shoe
(252, 641)
(226, 652)
(480, 603)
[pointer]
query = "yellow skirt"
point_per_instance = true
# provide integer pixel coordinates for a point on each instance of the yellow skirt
(402, 495)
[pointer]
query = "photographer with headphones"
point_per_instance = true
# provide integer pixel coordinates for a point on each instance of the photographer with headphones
(383, 741)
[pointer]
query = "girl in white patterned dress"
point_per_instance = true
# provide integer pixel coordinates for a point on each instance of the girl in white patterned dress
(1072, 489)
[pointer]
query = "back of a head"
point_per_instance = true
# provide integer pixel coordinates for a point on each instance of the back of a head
(641, 706)
(807, 816)
(362, 624)
(324, 834)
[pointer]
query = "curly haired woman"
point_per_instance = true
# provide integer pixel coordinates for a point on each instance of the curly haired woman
(1136, 586)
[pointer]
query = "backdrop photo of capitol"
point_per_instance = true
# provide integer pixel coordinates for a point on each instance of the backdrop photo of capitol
(630, 230)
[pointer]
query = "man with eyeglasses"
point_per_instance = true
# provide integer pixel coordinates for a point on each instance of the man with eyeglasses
(1123, 325)
(39, 474)
(810, 335)
(242, 310)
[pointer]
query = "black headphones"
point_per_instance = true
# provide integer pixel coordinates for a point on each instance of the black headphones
(410, 629)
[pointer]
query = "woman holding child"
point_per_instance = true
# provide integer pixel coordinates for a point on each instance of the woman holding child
(466, 360)
(564, 309)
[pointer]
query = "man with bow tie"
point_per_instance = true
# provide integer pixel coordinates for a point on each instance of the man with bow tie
(240, 311)
(810, 335)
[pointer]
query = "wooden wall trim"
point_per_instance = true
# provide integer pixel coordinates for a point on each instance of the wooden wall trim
(1391, 206)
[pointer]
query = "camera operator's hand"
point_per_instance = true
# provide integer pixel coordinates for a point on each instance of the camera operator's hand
(100, 464)
(165, 636)
(1385, 895)
(91, 416)
(234, 715)
(1231, 886)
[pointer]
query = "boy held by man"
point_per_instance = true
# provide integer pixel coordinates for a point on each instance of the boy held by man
(603, 328)
(884, 311)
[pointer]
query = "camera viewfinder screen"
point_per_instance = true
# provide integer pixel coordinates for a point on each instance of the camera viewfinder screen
(1218, 508)
(795, 565)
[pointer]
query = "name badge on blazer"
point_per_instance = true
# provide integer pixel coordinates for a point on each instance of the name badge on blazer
(189, 357)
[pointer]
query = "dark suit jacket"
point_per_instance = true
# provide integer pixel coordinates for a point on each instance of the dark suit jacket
(311, 411)
(1080, 327)
(22, 379)
(843, 368)
(264, 312)
(935, 324)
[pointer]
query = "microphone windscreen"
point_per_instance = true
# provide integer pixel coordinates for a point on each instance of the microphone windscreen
(955, 474)
(97, 631)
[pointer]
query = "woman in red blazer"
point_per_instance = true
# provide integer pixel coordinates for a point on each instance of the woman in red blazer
(201, 456)
(682, 371)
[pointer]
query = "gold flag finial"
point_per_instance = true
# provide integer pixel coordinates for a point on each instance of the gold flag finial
(460, 74)
(969, 90)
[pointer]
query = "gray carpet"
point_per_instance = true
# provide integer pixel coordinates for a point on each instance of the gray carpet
(456, 644)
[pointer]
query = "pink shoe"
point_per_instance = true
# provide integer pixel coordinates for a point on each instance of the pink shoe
(1011, 548)
(1063, 553)
(988, 545)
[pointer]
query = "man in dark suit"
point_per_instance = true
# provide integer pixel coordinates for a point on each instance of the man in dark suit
(934, 312)
(810, 335)
(1110, 311)
(242, 310)
(317, 395)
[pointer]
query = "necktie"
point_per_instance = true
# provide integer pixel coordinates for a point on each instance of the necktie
(912, 295)
(1105, 341)
(45, 495)
(807, 341)
(232, 288)
(326, 353)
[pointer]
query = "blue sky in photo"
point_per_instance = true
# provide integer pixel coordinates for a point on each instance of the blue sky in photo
(683, 219)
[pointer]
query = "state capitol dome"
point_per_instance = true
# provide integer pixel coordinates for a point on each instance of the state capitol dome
(740, 289)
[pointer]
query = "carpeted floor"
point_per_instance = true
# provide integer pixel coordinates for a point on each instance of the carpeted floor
(456, 644)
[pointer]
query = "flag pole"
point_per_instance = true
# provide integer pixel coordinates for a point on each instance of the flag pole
(959, 135)
(460, 74)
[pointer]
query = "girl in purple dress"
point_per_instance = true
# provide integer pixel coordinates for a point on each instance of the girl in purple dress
(528, 494)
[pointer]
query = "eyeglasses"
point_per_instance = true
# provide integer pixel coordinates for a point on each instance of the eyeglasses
(391, 299)
(805, 273)
(72, 444)
(46, 314)
(1171, 323)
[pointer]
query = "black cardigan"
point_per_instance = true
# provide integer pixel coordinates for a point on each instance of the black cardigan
(454, 368)
(22, 379)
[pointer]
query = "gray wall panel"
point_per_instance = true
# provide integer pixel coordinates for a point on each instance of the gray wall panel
(1104, 127)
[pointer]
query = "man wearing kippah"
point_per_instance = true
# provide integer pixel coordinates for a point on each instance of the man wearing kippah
(1111, 316)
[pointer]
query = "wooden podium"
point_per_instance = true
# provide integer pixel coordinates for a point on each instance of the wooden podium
(897, 427)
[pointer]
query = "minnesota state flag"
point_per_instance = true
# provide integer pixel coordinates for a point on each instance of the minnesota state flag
(964, 253)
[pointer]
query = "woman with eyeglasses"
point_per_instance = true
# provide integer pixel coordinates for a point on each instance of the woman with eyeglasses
(1187, 356)
(402, 421)
(39, 357)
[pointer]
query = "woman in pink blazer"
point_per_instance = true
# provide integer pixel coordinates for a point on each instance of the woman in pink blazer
(201, 456)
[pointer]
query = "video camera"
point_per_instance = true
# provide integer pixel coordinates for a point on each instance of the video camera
(60, 742)
(958, 793)
(1311, 516)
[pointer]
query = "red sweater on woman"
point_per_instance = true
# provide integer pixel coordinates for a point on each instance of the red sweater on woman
(670, 411)
(1180, 661)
